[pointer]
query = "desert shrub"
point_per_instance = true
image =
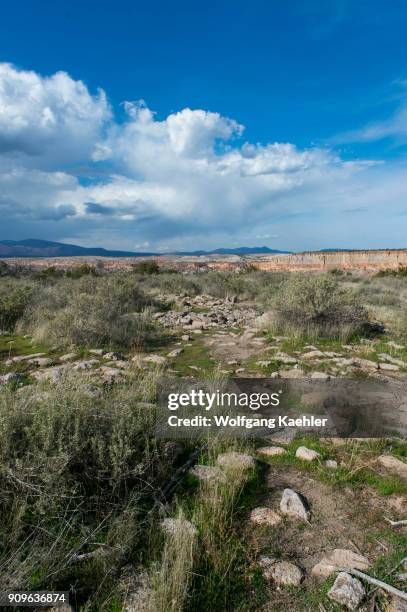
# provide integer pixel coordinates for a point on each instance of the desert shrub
(15, 295)
(147, 267)
(400, 272)
(49, 273)
(318, 306)
(82, 270)
(88, 312)
(77, 475)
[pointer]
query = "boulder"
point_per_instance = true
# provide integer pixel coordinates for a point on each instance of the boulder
(339, 559)
(320, 376)
(292, 505)
(67, 357)
(265, 516)
(292, 374)
(316, 354)
(394, 465)
(347, 591)
(156, 359)
(175, 352)
(10, 377)
(331, 464)
(307, 454)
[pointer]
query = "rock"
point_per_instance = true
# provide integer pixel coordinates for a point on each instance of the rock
(208, 473)
(67, 357)
(397, 467)
(337, 560)
(389, 367)
(20, 358)
(233, 460)
(284, 573)
(320, 376)
(347, 591)
(92, 391)
(10, 377)
(186, 338)
(294, 373)
(122, 365)
(85, 365)
(41, 362)
(307, 454)
(284, 358)
(396, 605)
(263, 363)
(110, 375)
(331, 463)
(114, 356)
(271, 451)
(391, 359)
(97, 352)
(156, 359)
(175, 352)
(53, 375)
(365, 364)
(265, 516)
(316, 354)
(173, 525)
(292, 505)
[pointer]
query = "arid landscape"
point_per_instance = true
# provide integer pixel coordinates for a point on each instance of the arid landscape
(93, 502)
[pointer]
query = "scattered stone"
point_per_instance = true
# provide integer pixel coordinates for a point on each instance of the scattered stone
(233, 460)
(284, 358)
(156, 359)
(122, 365)
(265, 516)
(320, 376)
(175, 352)
(307, 454)
(315, 354)
(390, 359)
(331, 463)
(20, 358)
(114, 356)
(110, 375)
(389, 367)
(53, 375)
(294, 373)
(10, 377)
(263, 363)
(339, 559)
(292, 505)
(284, 573)
(186, 338)
(365, 364)
(271, 451)
(208, 473)
(99, 352)
(41, 362)
(85, 365)
(394, 465)
(347, 591)
(173, 525)
(396, 605)
(67, 357)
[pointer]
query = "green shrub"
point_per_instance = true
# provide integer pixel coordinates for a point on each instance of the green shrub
(147, 267)
(92, 311)
(317, 306)
(15, 295)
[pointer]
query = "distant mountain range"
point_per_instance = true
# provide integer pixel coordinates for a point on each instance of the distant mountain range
(45, 248)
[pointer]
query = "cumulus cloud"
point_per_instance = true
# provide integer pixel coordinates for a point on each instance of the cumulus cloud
(188, 180)
(54, 119)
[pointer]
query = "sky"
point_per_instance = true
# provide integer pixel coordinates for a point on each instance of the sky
(177, 125)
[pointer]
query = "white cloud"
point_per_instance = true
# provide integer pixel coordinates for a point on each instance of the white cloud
(54, 119)
(186, 181)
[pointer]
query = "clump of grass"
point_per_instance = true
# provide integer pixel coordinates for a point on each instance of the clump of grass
(15, 295)
(316, 306)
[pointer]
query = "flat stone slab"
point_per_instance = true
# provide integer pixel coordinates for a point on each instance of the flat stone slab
(272, 451)
(339, 559)
(347, 591)
(265, 516)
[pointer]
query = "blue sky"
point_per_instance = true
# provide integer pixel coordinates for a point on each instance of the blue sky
(278, 123)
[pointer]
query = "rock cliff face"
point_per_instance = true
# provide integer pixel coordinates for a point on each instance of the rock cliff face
(344, 260)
